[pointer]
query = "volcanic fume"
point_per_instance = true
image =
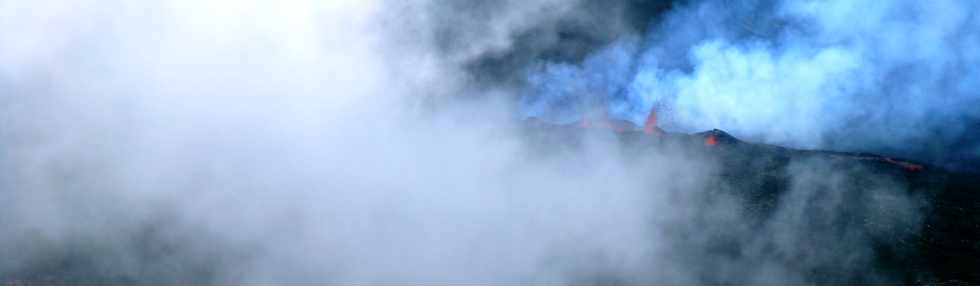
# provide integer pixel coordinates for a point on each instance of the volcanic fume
(469, 142)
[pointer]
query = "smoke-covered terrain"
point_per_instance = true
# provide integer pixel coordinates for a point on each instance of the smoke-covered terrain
(422, 142)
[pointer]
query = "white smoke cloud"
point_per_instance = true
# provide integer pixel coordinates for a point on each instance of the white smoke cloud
(893, 76)
(249, 142)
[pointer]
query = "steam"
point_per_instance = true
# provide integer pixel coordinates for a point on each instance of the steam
(346, 143)
(897, 76)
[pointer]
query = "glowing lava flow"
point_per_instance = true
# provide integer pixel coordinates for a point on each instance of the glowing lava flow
(710, 140)
(650, 126)
(905, 165)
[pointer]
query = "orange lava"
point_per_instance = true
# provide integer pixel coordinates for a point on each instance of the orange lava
(905, 165)
(710, 140)
(650, 127)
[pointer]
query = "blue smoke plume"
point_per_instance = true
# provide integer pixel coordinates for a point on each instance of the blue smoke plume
(900, 77)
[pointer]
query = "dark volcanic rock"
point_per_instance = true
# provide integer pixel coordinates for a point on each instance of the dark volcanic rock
(941, 245)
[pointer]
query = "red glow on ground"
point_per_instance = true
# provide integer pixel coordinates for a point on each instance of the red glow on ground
(710, 140)
(650, 127)
(905, 165)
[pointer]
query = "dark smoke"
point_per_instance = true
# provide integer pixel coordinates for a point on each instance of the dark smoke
(568, 33)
